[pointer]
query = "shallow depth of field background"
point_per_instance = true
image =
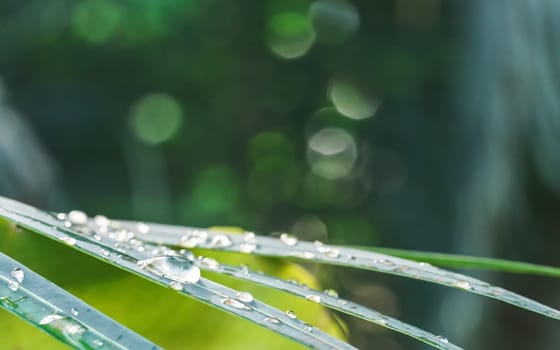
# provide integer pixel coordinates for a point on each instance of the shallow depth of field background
(428, 125)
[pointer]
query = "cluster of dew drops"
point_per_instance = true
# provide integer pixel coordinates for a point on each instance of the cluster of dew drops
(179, 267)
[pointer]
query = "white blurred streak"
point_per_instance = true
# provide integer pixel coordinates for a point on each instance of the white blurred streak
(26, 172)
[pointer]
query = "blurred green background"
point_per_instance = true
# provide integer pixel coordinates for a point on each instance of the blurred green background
(429, 125)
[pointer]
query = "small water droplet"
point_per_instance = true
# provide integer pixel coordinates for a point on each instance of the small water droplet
(272, 320)
(68, 240)
(176, 285)
(77, 217)
(317, 243)
(61, 216)
(442, 339)
(220, 241)
(463, 285)
(210, 263)
(190, 241)
(307, 328)
(329, 251)
(245, 297)
(173, 267)
(101, 221)
(303, 255)
(247, 248)
(142, 228)
(50, 318)
(97, 343)
(331, 292)
(18, 274)
(13, 286)
(235, 303)
(291, 314)
(104, 252)
(250, 237)
(314, 298)
(288, 239)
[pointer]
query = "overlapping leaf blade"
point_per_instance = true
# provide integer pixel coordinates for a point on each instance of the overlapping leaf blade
(59, 313)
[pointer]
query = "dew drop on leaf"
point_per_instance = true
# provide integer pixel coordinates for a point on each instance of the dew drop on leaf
(50, 318)
(245, 297)
(176, 268)
(272, 320)
(288, 239)
(314, 298)
(77, 217)
(13, 286)
(18, 274)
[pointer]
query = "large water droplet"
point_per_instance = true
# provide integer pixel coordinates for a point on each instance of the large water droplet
(77, 217)
(18, 274)
(288, 239)
(245, 297)
(173, 267)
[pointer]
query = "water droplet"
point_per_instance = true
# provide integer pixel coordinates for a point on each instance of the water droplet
(142, 228)
(176, 285)
(317, 243)
(329, 251)
(272, 320)
(104, 252)
(18, 274)
(288, 239)
(442, 339)
(331, 292)
(97, 343)
(74, 311)
(173, 267)
(245, 297)
(291, 314)
(250, 237)
(303, 255)
(247, 248)
(220, 241)
(50, 318)
(307, 328)
(68, 240)
(14, 286)
(61, 216)
(77, 217)
(313, 298)
(101, 221)
(463, 285)
(210, 263)
(235, 303)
